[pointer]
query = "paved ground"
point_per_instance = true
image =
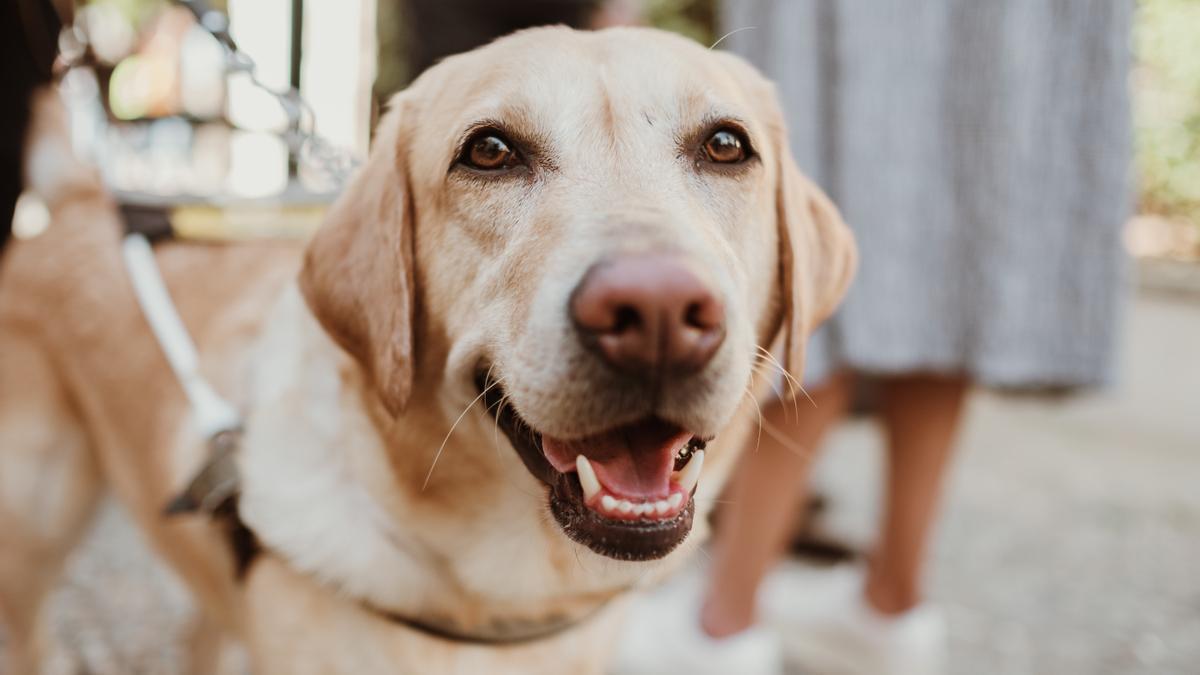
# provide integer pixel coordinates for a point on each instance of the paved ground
(1071, 542)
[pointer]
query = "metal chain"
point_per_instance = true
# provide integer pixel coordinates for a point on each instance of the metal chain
(301, 135)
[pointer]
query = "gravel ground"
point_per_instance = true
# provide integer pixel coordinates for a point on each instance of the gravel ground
(1071, 542)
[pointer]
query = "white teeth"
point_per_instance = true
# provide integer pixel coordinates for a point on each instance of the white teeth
(592, 489)
(690, 473)
(627, 508)
(587, 477)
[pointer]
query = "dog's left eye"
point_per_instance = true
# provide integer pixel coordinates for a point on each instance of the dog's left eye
(726, 146)
(489, 151)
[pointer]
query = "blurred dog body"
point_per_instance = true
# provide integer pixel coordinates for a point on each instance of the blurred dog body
(380, 490)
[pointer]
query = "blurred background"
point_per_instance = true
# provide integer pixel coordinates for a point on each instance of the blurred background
(1071, 538)
(161, 76)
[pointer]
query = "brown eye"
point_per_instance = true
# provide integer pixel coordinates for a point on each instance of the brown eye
(725, 147)
(489, 151)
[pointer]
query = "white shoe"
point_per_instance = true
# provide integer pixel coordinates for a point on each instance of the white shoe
(662, 636)
(829, 629)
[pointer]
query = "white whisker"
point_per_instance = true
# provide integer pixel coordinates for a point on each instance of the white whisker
(782, 439)
(766, 360)
(493, 411)
(792, 383)
(454, 426)
(749, 394)
(736, 30)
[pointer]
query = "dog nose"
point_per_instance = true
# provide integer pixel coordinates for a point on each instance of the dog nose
(648, 314)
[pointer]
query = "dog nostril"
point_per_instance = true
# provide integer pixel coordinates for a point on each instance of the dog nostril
(703, 315)
(626, 318)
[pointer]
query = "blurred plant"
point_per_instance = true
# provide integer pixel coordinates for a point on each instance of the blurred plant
(693, 18)
(1167, 107)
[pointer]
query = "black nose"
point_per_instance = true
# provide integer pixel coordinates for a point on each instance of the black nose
(648, 314)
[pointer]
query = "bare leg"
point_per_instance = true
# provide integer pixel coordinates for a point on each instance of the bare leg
(769, 482)
(921, 414)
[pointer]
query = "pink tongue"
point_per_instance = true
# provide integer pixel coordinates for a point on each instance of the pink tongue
(632, 461)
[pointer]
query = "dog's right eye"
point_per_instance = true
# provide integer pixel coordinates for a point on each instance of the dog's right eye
(489, 151)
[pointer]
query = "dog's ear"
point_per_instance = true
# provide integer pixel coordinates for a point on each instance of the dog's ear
(817, 256)
(358, 271)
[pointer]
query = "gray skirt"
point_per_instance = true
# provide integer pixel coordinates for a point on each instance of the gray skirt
(981, 151)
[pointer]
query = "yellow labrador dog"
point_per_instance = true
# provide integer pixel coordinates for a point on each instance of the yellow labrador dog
(498, 390)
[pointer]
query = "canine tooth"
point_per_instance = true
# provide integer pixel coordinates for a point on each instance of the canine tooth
(587, 477)
(690, 473)
(661, 506)
(624, 506)
(608, 502)
(675, 499)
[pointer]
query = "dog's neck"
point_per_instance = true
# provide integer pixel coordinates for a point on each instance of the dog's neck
(345, 494)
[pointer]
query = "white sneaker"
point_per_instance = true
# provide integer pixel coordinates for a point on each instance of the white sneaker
(663, 637)
(829, 629)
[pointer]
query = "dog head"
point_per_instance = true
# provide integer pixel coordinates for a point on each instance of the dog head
(594, 237)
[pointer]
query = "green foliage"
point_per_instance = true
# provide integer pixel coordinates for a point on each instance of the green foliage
(1167, 106)
(693, 18)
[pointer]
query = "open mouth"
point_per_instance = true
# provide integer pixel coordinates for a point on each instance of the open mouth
(625, 493)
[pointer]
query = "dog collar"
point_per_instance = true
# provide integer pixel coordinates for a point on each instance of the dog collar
(214, 493)
(500, 632)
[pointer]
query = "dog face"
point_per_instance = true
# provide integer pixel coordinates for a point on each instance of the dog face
(595, 235)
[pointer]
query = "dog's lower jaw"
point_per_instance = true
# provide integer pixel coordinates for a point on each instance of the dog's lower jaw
(618, 538)
(634, 541)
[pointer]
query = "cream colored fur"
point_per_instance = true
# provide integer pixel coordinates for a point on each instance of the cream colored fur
(352, 379)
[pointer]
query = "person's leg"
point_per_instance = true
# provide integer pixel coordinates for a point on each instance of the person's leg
(921, 414)
(768, 485)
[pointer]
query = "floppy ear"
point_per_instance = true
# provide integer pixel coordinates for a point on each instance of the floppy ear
(358, 271)
(817, 257)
